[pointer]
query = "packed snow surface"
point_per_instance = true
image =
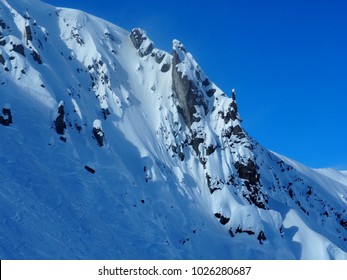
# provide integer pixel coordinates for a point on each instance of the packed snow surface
(113, 149)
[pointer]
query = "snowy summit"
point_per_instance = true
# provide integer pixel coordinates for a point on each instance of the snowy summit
(111, 148)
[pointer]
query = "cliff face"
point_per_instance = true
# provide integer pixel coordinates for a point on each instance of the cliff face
(117, 149)
(194, 92)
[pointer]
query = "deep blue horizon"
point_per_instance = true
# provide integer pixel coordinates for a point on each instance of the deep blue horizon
(287, 61)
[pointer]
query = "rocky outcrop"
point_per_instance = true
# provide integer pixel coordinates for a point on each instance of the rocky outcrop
(59, 122)
(98, 133)
(192, 90)
(141, 42)
(36, 56)
(260, 237)
(158, 55)
(2, 24)
(165, 67)
(105, 112)
(6, 117)
(232, 111)
(188, 93)
(251, 180)
(223, 220)
(18, 48)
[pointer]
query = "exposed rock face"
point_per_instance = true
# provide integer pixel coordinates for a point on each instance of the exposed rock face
(240, 230)
(188, 93)
(141, 42)
(19, 49)
(261, 235)
(158, 55)
(28, 34)
(232, 112)
(194, 92)
(248, 172)
(223, 220)
(60, 124)
(36, 57)
(98, 133)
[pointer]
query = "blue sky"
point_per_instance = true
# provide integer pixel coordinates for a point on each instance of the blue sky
(287, 61)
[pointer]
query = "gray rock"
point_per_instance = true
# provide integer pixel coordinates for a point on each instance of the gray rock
(165, 67)
(141, 42)
(187, 92)
(158, 55)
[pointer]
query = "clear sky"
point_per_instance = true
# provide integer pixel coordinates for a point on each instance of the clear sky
(286, 59)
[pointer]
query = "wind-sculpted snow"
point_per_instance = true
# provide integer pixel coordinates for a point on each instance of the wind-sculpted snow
(113, 149)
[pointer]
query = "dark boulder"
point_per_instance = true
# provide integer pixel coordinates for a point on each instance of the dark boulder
(210, 149)
(60, 124)
(6, 118)
(89, 169)
(206, 82)
(2, 24)
(36, 57)
(98, 133)
(210, 92)
(165, 67)
(223, 220)
(261, 237)
(240, 230)
(28, 34)
(99, 136)
(18, 49)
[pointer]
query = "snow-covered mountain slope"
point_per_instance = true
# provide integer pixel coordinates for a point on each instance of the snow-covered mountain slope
(113, 149)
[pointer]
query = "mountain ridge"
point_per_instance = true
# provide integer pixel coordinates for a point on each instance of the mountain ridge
(104, 124)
